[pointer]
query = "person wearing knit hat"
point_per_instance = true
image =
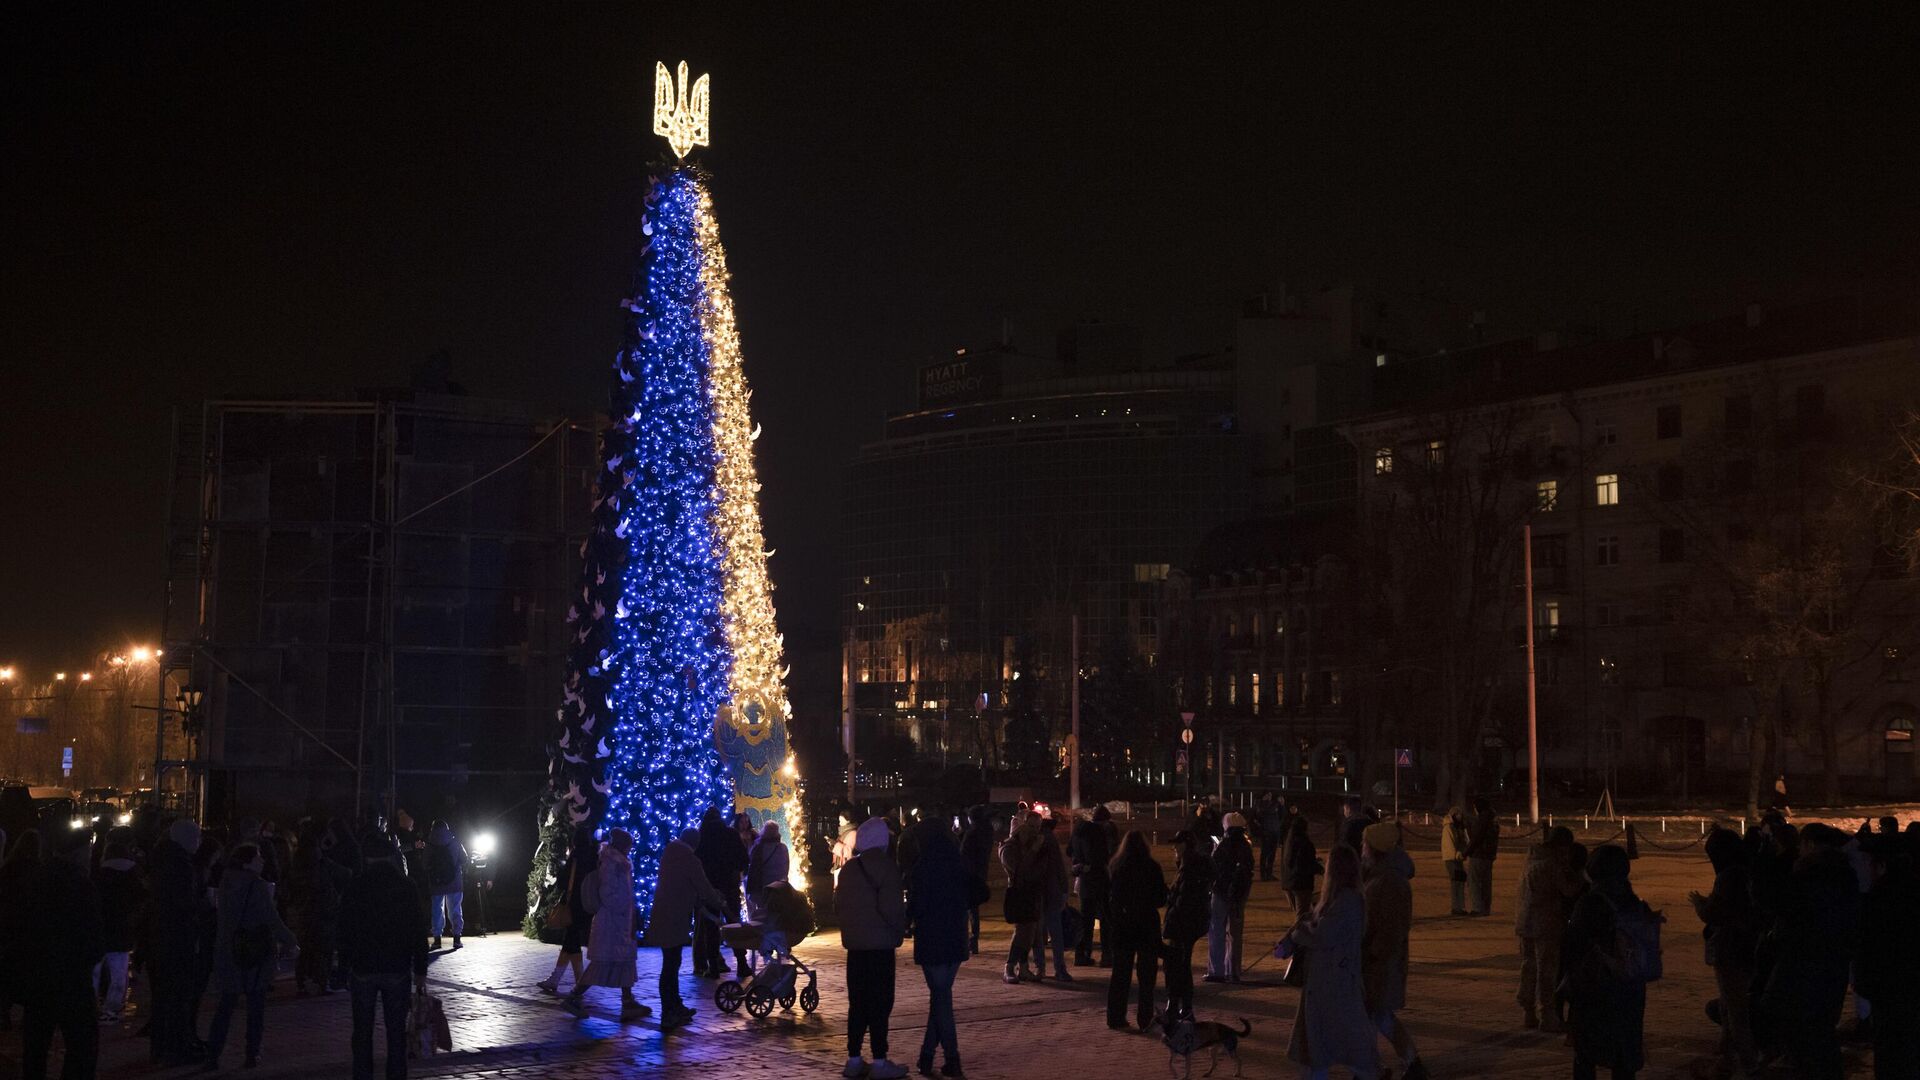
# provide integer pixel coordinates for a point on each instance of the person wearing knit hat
(1382, 837)
(1235, 820)
(871, 907)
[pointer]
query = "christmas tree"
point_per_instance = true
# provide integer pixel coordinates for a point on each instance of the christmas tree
(675, 696)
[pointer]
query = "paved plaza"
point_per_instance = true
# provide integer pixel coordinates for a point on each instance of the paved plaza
(1461, 989)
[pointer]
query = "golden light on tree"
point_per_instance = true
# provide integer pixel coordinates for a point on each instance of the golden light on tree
(682, 120)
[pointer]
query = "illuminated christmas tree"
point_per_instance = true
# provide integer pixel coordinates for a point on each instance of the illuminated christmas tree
(675, 698)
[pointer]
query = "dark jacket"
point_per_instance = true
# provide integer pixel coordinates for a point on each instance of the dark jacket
(382, 929)
(446, 863)
(55, 935)
(1135, 895)
(1089, 851)
(1609, 1012)
(1299, 862)
(245, 903)
(977, 843)
(123, 903)
(939, 895)
(1815, 935)
(723, 857)
(1188, 904)
(1353, 831)
(1889, 967)
(1233, 866)
(1732, 922)
(1483, 837)
(177, 903)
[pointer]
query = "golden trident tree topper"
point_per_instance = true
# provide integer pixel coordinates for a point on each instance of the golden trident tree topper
(682, 120)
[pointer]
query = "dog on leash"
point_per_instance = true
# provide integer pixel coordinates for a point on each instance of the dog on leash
(1182, 1035)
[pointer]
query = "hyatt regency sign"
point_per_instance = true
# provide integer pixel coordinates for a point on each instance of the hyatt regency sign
(962, 379)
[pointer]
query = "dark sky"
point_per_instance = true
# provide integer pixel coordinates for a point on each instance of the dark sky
(299, 197)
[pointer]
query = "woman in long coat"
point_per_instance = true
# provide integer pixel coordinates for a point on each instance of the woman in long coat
(611, 953)
(681, 894)
(1333, 1027)
(1299, 864)
(1607, 1009)
(246, 904)
(583, 858)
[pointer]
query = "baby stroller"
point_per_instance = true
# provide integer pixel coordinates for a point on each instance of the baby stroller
(787, 922)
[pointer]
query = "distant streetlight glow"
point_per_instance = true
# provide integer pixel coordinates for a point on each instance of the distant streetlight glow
(141, 654)
(86, 676)
(6, 674)
(59, 676)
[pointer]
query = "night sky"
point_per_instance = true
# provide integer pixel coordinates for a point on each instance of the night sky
(275, 202)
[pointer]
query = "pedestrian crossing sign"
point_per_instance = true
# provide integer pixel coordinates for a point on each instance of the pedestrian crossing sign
(1403, 758)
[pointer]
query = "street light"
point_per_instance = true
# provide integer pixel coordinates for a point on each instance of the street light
(86, 676)
(141, 654)
(59, 676)
(6, 674)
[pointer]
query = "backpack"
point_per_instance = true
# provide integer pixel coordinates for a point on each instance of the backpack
(1636, 932)
(439, 865)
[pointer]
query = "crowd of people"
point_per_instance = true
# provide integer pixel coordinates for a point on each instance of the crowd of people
(1794, 918)
(208, 916)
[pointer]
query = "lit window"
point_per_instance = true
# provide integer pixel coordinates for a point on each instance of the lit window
(1233, 690)
(1436, 453)
(1279, 690)
(1549, 493)
(1546, 621)
(1606, 489)
(1900, 735)
(1253, 692)
(1383, 461)
(1607, 551)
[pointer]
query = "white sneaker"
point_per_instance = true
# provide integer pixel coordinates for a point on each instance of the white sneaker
(855, 1067)
(886, 1070)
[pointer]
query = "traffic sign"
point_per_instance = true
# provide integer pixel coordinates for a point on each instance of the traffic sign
(66, 761)
(1186, 718)
(1403, 758)
(1180, 761)
(1186, 736)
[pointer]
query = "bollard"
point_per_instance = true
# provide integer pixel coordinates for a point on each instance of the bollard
(1549, 821)
(1586, 823)
(1516, 819)
(1663, 825)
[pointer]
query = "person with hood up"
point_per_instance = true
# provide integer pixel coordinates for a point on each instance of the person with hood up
(123, 903)
(243, 951)
(681, 894)
(1187, 916)
(872, 912)
(1547, 890)
(314, 885)
(1483, 846)
(1139, 891)
(446, 862)
(611, 954)
(1816, 932)
(1607, 1003)
(976, 854)
(1299, 864)
(1023, 854)
(768, 864)
(1453, 856)
(942, 892)
(383, 941)
(1090, 850)
(1332, 1026)
(176, 897)
(1732, 929)
(54, 933)
(1385, 869)
(1232, 884)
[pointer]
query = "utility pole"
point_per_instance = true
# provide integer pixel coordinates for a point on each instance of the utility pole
(1073, 764)
(1533, 711)
(846, 710)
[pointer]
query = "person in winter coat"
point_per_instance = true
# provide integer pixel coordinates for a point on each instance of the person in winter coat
(383, 941)
(123, 904)
(243, 951)
(53, 930)
(1024, 856)
(1888, 971)
(1332, 1027)
(1139, 891)
(768, 863)
(446, 862)
(1607, 1004)
(1090, 851)
(583, 858)
(1453, 856)
(976, 853)
(1483, 846)
(1299, 864)
(1816, 933)
(176, 896)
(1732, 928)
(1354, 820)
(1232, 884)
(1187, 916)
(1547, 889)
(610, 944)
(1054, 884)
(724, 860)
(413, 850)
(942, 892)
(315, 884)
(1272, 821)
(871, 909)
(1383, 949)
(681, 894)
